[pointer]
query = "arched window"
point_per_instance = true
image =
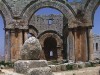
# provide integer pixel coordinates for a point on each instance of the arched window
(96, 46)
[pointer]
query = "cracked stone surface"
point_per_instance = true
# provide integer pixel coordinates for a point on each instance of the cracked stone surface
(31, 49)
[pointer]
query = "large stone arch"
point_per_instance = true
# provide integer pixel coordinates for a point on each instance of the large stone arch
(85, 3)
(90, 11)
(33, 30)
(5, 13)
(59, 41)
(65, 9)
(46, 34)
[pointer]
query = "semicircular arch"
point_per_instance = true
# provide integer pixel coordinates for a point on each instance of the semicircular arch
(45, 35)
(65, 9)
(90, 10)
(4, 11)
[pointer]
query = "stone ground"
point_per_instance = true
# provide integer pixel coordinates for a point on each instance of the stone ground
(85, 71)
(9, 72)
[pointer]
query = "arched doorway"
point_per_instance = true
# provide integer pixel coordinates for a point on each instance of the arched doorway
(50, 48)
(50, 23)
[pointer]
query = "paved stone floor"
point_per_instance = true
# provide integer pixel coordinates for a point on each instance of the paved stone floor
(85, 71)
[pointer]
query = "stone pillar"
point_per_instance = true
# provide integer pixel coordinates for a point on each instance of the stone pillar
(84, 48)
(64, 52)
(90, 44)
(20, 42)
(59, 54)
(81, 45)
(7, 46)
(70, 47)
(77, 45)
(25, 36)
(16, 44)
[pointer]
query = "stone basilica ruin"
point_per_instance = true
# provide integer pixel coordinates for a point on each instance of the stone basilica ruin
(61, 37)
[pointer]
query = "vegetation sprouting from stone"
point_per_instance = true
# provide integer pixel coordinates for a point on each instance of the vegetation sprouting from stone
(7, 64)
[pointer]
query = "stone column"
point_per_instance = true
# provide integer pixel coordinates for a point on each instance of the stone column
(84, 52)
(70, 47)
(90, 44)
(81, 44)
(77, 45)
(7, 46)
(16, 44)
(25, 36)
(20, 35)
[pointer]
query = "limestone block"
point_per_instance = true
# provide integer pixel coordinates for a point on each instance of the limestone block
(53, 68)
(31, 49)
(22, 66)
(75, 66)
(81, 64)
(63, 67)
(58, 68)
(40, 71)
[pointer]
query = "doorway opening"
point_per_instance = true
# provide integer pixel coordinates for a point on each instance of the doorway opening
(50, 48)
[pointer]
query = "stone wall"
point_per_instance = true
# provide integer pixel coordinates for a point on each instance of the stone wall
(96, 46)
(41, 23)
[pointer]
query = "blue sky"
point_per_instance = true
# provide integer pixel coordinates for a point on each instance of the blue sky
(47, 11)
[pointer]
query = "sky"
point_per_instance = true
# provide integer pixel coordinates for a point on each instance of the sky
(1, 36)
(47, 11)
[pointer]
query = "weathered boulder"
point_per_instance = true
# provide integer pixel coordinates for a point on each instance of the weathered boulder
(40, 71)
(30, 62)
(31, 49)
(22, 66)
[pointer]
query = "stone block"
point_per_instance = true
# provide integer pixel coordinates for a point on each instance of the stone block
(22, 66)
(81, 64)
(58, 68)
(40, 71)
(53, 68)
(75, 66)
(63, 67)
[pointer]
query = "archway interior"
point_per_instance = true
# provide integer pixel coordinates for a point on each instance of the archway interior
(50, 48)
(50, 19)
(47, 11)
(2, 35)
